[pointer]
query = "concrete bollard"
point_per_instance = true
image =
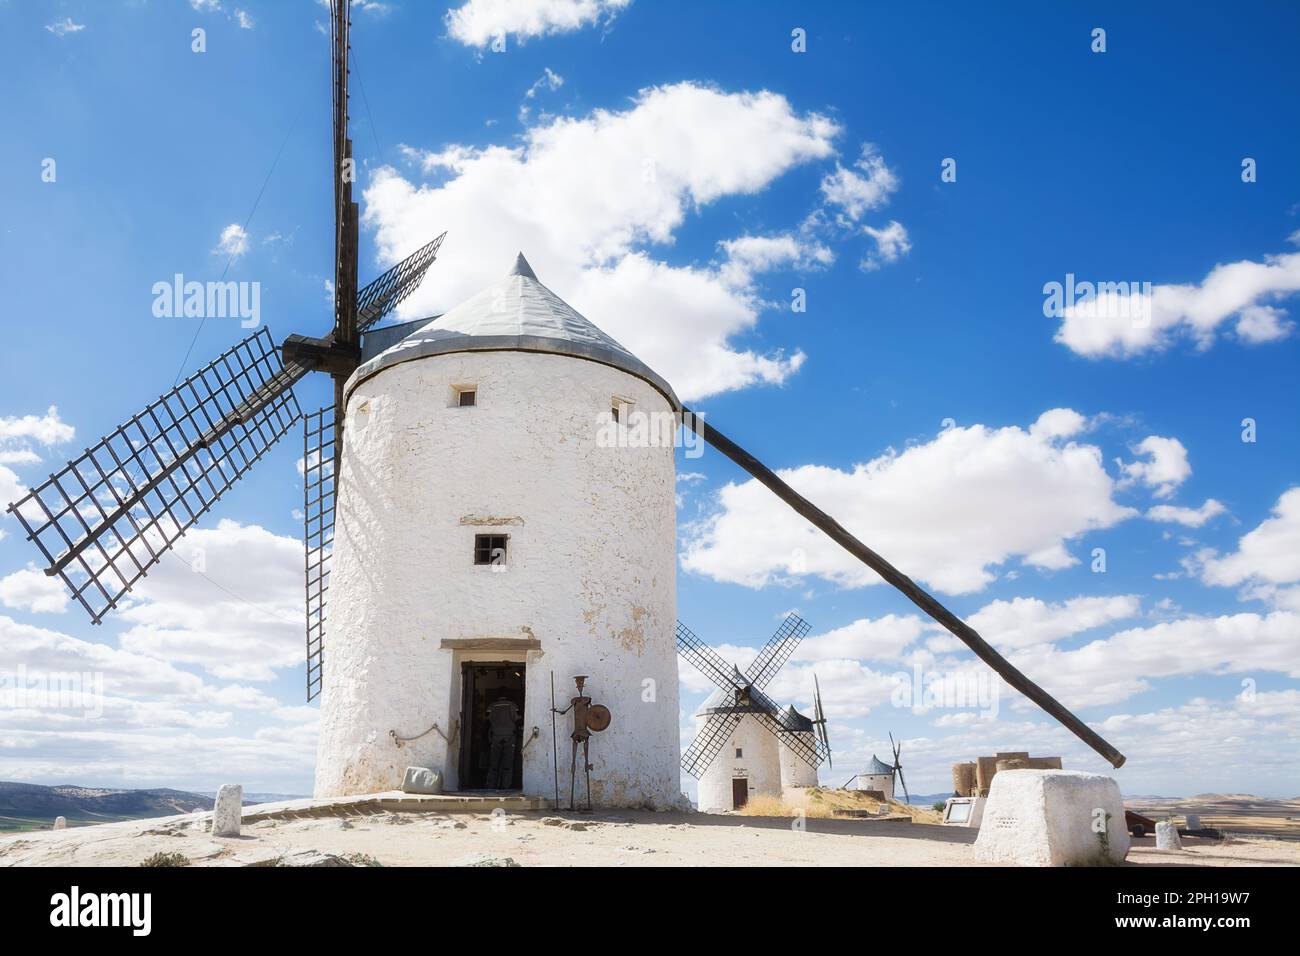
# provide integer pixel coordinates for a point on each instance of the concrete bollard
(60, 823)
(1167, 837)
(229, 810)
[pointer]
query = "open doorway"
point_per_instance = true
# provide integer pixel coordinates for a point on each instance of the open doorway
(739, 792)
(492, 699)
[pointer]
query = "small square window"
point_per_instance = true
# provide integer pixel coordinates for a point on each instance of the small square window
(467, 397)
(490, 548)
(739, 753)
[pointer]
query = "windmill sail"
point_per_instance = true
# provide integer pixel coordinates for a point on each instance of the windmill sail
(777, 650)
(111, 514)
(317, 534)
(914, 593)
(384, 294)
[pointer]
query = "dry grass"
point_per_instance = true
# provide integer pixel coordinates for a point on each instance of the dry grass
(823, 803)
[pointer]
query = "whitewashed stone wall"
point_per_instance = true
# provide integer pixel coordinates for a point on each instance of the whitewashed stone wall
(759, 763)
(876, 781)
(590, 574)
(795, 771)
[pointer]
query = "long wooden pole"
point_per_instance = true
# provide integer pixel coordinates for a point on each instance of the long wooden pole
(917, 595)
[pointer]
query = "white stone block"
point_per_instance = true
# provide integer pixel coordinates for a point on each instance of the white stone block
(1053, 818)
(229, 810)
(421, 780)
(1167, 837)
(60, 823)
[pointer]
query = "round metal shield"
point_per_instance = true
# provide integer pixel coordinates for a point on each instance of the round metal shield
(598, 717)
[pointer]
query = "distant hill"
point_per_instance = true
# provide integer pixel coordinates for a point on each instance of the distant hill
(27, 806)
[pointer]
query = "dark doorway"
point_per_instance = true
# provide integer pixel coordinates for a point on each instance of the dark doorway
(739, 792)
(492, 726)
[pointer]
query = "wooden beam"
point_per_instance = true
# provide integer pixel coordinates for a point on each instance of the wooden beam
(914, 593)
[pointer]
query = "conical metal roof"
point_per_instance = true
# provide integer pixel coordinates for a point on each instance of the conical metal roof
(793, 720)
(876, 767)
(516, 314)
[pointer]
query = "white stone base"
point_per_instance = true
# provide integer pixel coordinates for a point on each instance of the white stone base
(228, 813)
(1167, 837)
(1053, 818)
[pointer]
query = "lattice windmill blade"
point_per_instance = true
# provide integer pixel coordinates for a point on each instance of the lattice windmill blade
(318, 490)
(777, 650)
(898, 767)
(708, 743)
(384, 294)
(112, 513)
(707, 660)
(819, 721)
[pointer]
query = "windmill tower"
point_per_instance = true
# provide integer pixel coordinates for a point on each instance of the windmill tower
(489, 533)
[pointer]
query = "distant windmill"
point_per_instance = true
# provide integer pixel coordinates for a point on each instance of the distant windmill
(785, 752)
(898, 767)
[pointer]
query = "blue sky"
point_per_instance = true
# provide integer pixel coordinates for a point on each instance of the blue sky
(594, 144)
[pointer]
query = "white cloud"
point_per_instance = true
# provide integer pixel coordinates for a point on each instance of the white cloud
(241, 618)
(549, 80)
(947, 511)
(1270, 554)
(868, 185)
(1022, 622)
(48, 429)
(233, 241)
(479, 22)
(891, 243)
(11, 486)
(580, 197)
(883, 638)
(1103, 328)
(244, 20)
(61, 28)
(16, 434)
(31, 590)
(1165, 468)
(1113, 669)
(749, 256)
(1190, 517)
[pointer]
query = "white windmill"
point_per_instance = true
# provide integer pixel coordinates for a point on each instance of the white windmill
(489, 534)
(747, 745)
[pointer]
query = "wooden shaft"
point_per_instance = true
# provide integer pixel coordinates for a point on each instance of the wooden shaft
(914, 593)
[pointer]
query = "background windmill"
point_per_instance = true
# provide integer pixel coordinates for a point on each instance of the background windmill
(103, 521)
(785, 752)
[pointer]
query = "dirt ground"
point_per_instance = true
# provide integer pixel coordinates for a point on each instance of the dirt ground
(1240, 815)
(540, 838)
